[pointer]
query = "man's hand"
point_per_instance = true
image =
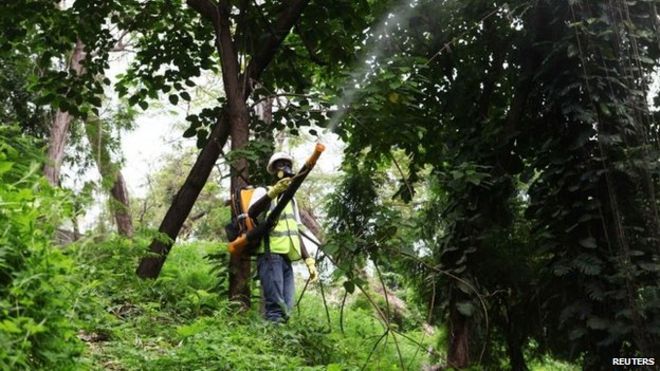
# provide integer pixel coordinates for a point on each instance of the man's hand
(311, 266)
(278, 188)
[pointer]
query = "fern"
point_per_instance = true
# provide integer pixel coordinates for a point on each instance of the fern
(588, 264)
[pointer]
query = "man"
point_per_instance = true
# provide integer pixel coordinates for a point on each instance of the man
(282, 245)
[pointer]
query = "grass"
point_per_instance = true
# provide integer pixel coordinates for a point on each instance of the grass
(181, 321)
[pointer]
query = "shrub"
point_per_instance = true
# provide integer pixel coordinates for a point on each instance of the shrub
(35, 292)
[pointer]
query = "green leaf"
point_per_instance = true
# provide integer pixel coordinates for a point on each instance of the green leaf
(190, 330)
(185, 96)
(463, 287)
(34, 328)
(9, 326)
(5, 166)
(588, 264)
(647, 60)
(201, 141)
(561, 269)
(144, 105)
(133, 100)
(648, 266)
(466, 308)
(190, 132)
(597, 323)
(349, 286)
(174, 99)
(589, 243)
(96, 101)
(604, 108)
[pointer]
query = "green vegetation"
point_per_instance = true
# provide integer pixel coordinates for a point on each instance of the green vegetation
(496, 206)
(35, 287)
(82, 306)
(180, 322)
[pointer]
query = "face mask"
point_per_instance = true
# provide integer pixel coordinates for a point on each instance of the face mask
(284, 172)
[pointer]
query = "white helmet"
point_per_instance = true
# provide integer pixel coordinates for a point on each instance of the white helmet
(277, 156)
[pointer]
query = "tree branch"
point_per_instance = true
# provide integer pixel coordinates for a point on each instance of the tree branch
(405, 179)
(310, 50)
(206, 8)
(150, 266)
(120, 45)
(309, 221)
(285, 20)
(218, 14)
(228, 57)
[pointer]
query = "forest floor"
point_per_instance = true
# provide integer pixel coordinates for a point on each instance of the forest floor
(182, 321)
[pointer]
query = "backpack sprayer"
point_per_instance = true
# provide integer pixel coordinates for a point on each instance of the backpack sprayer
(252, 234)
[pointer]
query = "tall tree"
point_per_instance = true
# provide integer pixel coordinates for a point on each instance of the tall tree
(596, 178)
(68, 47)
(248, 37)
(525, 110)
(61, 122)
(234, 121)
(111, 175)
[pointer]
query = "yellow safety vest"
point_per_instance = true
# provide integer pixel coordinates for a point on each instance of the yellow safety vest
(284, 237)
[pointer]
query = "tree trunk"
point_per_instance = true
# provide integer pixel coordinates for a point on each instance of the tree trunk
(121, 206)
(110, 173)
(236, 96)
(309, 220)
(56, 144)
(514, 349)
(265, 110)
(240, 265)
(61, 122)
(150, 266)
(514, 344)
(459, 355)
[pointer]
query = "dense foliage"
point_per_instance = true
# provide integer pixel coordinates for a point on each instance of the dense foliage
(55, 299)
(538, 233)
(35, 286)
(501, 174)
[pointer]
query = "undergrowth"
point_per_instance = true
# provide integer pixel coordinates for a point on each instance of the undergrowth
(182, 321)
(35, 289)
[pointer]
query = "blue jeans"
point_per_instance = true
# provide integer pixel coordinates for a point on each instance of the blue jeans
(276, 276)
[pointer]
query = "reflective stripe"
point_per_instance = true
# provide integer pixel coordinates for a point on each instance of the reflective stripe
(283, 223)
(284, 237)
(283, 233)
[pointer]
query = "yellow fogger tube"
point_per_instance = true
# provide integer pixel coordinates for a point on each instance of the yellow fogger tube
(237, 246)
